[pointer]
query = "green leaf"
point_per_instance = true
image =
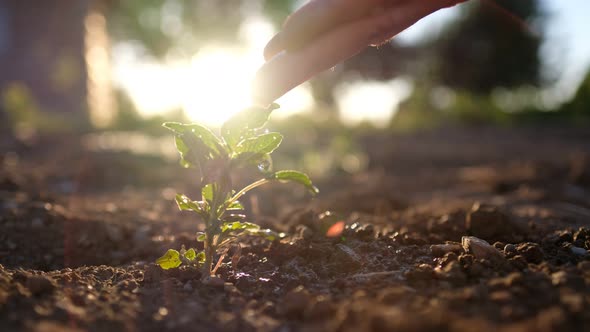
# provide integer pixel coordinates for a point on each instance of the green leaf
(201, 237)
(202, 133)
(207, 192)
(186, 204)
(237, 226)
(266, 233)
(233, 218)
(183, 150)
(200, 257)
(274, 106)
(196, 144)
(235, 206)
(190, 255)
(176, 127)
(193, 151)
(249, 225)
(180, 146)
(263, 162)
(170, 260)
(263, 144)
(242, 125)
(294, 176)
(184, 163)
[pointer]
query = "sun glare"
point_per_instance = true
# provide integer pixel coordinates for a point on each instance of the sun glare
(371, 101)
(213, 85)
(218, 85)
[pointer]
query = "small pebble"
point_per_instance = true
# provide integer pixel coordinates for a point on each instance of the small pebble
(481, 249)
(578, 251)
(509, 249)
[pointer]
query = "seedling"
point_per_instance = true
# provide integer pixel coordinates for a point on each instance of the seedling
(242, 143)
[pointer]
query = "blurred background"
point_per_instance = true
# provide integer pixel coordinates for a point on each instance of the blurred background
(115, 69)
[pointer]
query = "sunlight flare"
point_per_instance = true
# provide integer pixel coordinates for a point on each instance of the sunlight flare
(210, 87)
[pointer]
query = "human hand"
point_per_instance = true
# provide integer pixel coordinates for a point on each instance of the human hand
(323, 33)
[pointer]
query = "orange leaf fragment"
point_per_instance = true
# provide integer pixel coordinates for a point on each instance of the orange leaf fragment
(336, 229)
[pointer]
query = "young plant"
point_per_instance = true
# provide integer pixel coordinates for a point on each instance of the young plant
(243, 143)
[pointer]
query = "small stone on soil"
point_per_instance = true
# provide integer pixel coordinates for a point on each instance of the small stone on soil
(481, 249)
(510, 249)
(578, 251)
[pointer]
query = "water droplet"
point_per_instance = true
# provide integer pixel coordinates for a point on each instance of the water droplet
(264, 165)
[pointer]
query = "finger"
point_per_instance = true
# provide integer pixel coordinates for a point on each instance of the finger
(395, 21)
(289, 69)
(319, 16)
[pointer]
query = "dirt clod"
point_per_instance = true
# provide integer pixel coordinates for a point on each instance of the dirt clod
(294, 303)
(347, 258)
(490, 223)
(532, 252)
(39, 284)
(442, 249)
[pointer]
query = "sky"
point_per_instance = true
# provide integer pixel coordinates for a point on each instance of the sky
(568, 37)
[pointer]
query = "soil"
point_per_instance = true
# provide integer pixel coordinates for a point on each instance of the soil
(477, 229)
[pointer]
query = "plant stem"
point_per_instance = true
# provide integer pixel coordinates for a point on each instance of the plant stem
(213, 222)
(208, 259)
(245, 190)
(210, 248)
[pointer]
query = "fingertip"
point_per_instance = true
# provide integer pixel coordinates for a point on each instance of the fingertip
(274, 46)
(259, 92)
(273, 79)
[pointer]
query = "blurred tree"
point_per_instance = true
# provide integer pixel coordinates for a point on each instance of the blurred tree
(163, 26)
(160, 26)
(42, 48)
(579, 106)
(493, 44)
(278, 10)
